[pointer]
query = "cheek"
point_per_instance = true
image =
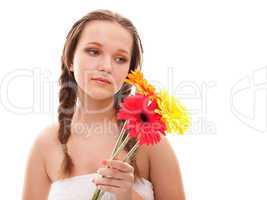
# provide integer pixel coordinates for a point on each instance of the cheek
(82, 76)
(83, 67)
(120, 76)
(84, 62)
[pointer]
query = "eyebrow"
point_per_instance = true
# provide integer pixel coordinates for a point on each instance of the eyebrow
(100, 45)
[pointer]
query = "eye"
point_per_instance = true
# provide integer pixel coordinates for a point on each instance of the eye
(120, 60)
(92, 52)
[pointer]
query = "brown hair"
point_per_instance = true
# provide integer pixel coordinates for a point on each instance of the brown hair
(68, 85)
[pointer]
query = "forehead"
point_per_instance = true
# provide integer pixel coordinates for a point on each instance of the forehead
(109, 34)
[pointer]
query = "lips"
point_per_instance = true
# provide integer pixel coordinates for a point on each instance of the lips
(104, 80)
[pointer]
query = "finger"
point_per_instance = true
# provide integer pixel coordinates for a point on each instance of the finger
(119, 165)
(115, 174)
(107, 188)
(112, 183)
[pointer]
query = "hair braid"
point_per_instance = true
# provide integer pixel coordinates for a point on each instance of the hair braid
(67, 101)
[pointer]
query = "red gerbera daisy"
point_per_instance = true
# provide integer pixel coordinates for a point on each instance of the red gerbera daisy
(143, 123)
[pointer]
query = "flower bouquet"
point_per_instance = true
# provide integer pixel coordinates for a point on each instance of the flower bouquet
(147, 115)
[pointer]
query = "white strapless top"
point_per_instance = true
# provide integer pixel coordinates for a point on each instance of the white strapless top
(82, 188)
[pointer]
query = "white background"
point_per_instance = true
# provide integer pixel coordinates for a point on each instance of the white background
(210, 54)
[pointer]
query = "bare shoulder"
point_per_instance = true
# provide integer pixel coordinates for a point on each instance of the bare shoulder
(142, 161)
(48, 143)
(48, 136)
(36, 179)
(51, 150)
(44, 143)
(165, 171)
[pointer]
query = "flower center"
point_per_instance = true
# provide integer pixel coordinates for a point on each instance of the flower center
(143, 117)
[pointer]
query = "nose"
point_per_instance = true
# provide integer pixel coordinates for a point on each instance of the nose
(105, 64)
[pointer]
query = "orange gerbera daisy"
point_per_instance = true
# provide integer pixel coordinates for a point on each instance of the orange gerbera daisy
(136, 78)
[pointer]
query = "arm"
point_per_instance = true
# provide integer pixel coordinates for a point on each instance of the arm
(36, 180)
(165, 172)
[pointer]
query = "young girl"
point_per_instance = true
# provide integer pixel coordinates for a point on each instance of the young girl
(70, 159)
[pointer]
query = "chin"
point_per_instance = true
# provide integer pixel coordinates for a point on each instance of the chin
(100, 94)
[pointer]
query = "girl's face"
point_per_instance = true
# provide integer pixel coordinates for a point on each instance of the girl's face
(103, 52)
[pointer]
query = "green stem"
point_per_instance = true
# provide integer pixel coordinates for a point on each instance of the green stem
(118, 142)
(122, 145)
(96, 195)
(131, 152)
(101, 194)
(118, 147)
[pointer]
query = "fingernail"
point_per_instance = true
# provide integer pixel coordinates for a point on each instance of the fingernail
(104, 162)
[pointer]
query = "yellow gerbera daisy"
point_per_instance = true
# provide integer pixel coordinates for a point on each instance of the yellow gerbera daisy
(172, 113)
(136, 78)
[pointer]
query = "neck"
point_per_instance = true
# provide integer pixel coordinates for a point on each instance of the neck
(94, 110)
(88, 125)
(94, 117)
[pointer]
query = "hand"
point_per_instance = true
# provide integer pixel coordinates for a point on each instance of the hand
(117, 177)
